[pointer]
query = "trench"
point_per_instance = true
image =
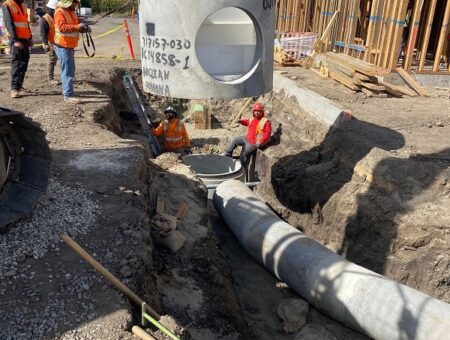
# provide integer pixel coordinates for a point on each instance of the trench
(250, 293)
(309, 176)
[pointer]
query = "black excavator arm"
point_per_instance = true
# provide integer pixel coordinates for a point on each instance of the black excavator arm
(24, 166)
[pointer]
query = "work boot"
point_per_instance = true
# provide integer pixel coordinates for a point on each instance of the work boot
(72, 100)
(23, 91)
(15, 94)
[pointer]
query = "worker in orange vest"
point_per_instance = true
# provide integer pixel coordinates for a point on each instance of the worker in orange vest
(47, 31)
(15, 16)
(258, 134)
(173, 132)
(67, 29)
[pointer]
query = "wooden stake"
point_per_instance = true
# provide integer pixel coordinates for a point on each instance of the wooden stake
(244, 107)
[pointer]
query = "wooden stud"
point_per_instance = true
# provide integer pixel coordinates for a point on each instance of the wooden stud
(397, 36)
(426, 39)
(442, 37)
(344, 80)
(399, 88)
(415, 22)
(412, 82)
(372, 86)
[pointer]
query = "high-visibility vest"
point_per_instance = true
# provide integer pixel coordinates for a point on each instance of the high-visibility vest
(66, 39)
(259, 129)
(173, 138)
(51, 24)
(20, 18)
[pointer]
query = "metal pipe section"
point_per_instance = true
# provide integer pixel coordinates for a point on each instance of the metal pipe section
(353, 295)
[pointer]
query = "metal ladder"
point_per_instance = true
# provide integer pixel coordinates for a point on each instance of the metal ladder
(139, 109)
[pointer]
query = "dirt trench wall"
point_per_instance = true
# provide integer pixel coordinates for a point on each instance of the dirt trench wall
(351, 190)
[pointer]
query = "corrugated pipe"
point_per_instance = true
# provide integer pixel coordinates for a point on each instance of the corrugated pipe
(355, 296)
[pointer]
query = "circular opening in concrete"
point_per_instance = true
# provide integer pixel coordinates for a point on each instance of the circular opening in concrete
(206, 165)
(227, 45)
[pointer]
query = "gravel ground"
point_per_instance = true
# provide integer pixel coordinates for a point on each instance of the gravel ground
(61, 209)
(95, 194)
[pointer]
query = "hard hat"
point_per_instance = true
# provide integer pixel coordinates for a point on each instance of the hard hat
(52, 4)
(65, 3)
(258, 107)
(170, 109)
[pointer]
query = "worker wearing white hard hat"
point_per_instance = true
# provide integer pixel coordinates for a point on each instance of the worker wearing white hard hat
(52, 4)
(47, 32)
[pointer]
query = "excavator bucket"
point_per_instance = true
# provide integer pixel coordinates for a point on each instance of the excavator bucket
(24, 166)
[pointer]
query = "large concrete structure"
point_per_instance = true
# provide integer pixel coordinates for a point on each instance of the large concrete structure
(201, 49)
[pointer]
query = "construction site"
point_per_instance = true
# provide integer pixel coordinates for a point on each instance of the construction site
(337, 227)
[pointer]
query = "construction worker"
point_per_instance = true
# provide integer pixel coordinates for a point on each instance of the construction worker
(173, 132)
(67, 29)
(15, 16)
(258, 134)
(47, 30)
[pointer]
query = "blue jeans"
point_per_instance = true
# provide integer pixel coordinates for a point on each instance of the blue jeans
(66, 57)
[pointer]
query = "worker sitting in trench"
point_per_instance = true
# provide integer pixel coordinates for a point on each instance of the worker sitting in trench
(258, 134)
(174, 133)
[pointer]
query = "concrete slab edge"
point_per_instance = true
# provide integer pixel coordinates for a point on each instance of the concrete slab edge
(313, 103)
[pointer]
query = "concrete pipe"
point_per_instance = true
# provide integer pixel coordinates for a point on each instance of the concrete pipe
(201, 49)
(355, 296)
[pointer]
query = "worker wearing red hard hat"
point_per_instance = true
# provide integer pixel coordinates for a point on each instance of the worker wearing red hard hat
(258, 134)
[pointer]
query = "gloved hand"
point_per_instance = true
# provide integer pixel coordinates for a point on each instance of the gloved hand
(46, 48)
(18, 44)
(155, 123)
(82, 27)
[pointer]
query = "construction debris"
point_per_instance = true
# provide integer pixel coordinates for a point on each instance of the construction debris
(294, 313)
(164, 226)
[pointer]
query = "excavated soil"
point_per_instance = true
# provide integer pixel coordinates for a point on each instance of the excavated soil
(363, 191)
(377, 190)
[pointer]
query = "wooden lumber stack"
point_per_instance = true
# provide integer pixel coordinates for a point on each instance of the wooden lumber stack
(283, 58)
(359, 75)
